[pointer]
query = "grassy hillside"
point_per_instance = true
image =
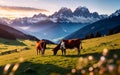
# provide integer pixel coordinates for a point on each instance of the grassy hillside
(29, 63)
(98, 44)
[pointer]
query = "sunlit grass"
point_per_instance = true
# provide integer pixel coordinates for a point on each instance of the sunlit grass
(52, 65)
(98, 44)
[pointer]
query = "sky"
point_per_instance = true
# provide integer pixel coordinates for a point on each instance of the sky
(27, 8)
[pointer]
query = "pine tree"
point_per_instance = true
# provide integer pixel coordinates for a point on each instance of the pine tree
(97, 34)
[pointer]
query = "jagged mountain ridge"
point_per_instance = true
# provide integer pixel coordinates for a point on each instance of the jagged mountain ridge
(64, 15)
(116, 13)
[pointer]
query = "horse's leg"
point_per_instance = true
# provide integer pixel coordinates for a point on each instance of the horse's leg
(42, 51)
(78, 51)
(37, 51)
(64, 51)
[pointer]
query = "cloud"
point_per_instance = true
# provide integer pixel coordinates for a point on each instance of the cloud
(24, 28)
(25, 9)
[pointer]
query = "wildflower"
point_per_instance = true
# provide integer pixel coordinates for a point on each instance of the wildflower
(95, 65)
(105, 52)
(6, 68)
(111, 68)
(15, 67)
(102, 58)
(83, 71)
(81, 59)
(90, 68)
(90, 57)
(73, 70)
(91, 73)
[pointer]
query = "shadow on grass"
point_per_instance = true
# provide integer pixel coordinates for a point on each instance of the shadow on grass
(29, 68)
(97, 55)
(12, 42)
(49, 48)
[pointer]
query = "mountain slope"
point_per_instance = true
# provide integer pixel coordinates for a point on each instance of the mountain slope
(102, 26)
(11, 33)
(6, 34)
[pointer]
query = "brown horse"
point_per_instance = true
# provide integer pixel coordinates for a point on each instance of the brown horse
(40, 46)
(70, 44)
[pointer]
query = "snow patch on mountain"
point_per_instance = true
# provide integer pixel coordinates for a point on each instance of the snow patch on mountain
(5, 21)
(82, 19)
(53, 20)
(116, 13)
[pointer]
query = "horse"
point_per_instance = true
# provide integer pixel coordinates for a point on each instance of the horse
(40, 46)
(68, 44)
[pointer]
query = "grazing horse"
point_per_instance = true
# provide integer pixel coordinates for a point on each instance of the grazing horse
(40, 46)
(64, 44)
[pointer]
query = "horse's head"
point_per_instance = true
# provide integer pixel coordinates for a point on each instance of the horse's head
(56, 49)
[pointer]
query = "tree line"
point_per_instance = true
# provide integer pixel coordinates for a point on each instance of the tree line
(98, 34)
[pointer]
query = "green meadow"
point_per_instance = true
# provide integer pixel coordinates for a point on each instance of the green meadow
(26, 62)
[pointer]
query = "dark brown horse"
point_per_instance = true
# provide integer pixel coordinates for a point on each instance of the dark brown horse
(68, 44)
(40, 46)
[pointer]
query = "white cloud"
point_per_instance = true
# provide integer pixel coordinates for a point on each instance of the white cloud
(15, 8)
(13, 12)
